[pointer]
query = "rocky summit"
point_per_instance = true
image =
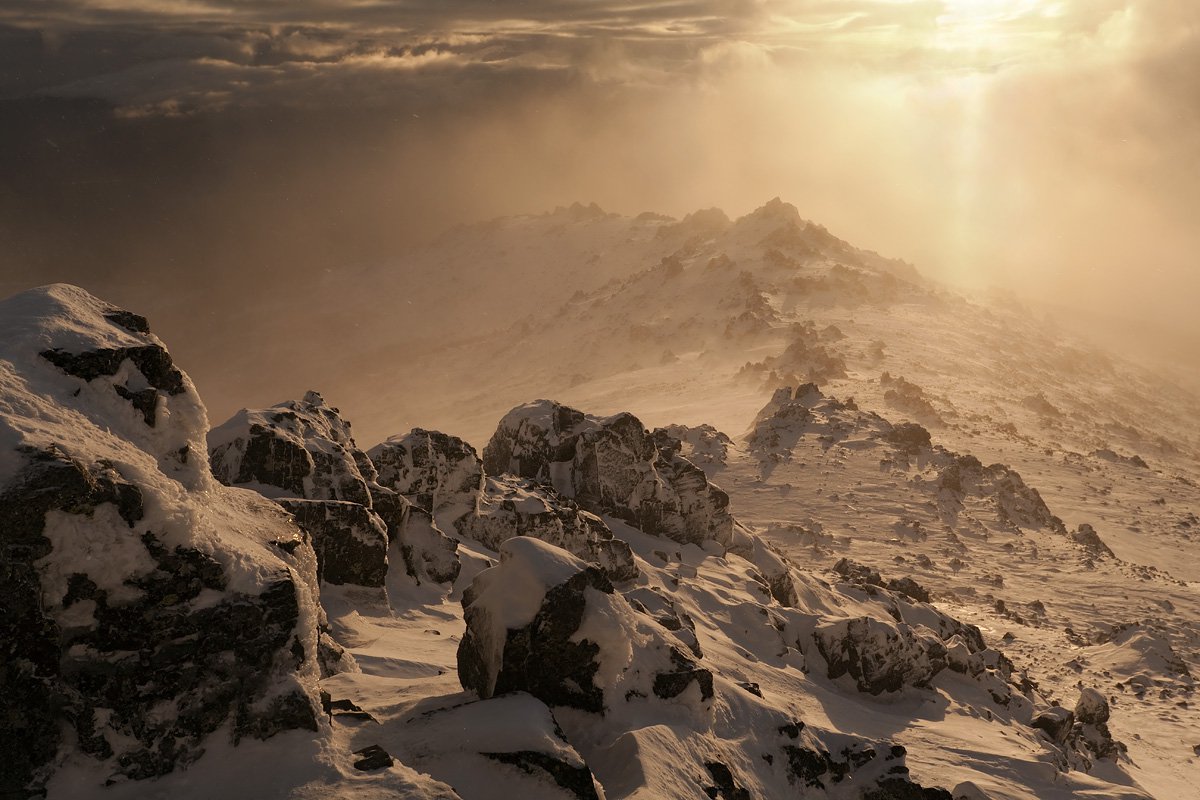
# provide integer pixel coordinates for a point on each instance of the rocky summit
(797, 523)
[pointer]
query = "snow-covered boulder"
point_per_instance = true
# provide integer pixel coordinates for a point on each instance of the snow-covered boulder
(545, 622)
(147, 609)
(611, 465)
(350, 541)
(304, 450)
(294, 449)
(432, 469)
(1092, 713)
(881, 656)
(1017, 503)
(428, 553)
(510, 506)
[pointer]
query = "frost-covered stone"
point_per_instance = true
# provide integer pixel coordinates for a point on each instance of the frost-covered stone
(611, 465)
(703, 445)
(294, 449)
(145, 606)
(545, 622)
(428, 553)
(1016, 502)
(304, 450)
(350, 540)
(1092, 713)
(432, 469)
(880, 655)
(511, 506)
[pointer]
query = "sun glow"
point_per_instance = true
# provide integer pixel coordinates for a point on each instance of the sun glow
(999, 26)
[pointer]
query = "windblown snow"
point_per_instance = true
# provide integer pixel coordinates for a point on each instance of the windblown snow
(796, 523)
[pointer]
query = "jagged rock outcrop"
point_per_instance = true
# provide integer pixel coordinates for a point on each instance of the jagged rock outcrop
(432, 469)
(1017, 503)
(881, 656)
(294, 449)
(510, 506)
(1091, 732)
(703, 445)
(545, 622)
(145, 607)
(350, 542)
(611, 465)
(304, 450)
(1086, 537)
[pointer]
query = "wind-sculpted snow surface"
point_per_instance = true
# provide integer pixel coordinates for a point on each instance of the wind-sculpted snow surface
(611, 465)
(147, 612)
(614, 670)
(302, 454)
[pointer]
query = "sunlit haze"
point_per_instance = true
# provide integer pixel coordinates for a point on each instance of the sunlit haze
(1049, 147)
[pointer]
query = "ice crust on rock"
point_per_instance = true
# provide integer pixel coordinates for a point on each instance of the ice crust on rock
(302, 454)
(611, 465)
(510, 506)
(130, 576)
(432, 469)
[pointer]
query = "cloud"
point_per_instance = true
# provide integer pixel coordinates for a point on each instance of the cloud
(1050, 144)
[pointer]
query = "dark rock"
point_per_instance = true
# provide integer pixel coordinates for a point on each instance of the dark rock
(903, 789)
(675, 682)
(152, 361)
(1086, 537)
(431, 469)
(576, 780)
(909, 588)
(909, 437)
(751, 687)
(539, 658)
(724, 786)
(1016, 503)
(511, 506)
(305, 450)
(545, 656)
(880, 655)
(1056, 722)
(611, 466)
(134, 323)
(373, 758)
(349, 540)
(133, 656)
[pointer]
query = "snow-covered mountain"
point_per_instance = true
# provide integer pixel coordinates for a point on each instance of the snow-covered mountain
(798, 523)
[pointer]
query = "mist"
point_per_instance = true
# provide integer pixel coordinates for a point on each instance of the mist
(217, 178)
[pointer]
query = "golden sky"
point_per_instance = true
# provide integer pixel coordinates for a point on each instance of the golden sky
(1049, 145)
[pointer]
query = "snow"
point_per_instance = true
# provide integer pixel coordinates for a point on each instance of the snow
(1124, 627)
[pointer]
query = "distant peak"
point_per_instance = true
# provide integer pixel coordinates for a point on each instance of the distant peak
(578, 212)
(775, 209)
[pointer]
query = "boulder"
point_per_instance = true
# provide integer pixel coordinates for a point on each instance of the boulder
(350, 540)
(545, 622)
(294, 449)
(611, 465)
(1017, 503)
(880, 655)
(146, 608)
(510, 506)
(432, 469)
(1091, 733)
(304, 451)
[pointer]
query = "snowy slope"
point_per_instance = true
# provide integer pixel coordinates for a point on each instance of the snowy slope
(959, 564)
